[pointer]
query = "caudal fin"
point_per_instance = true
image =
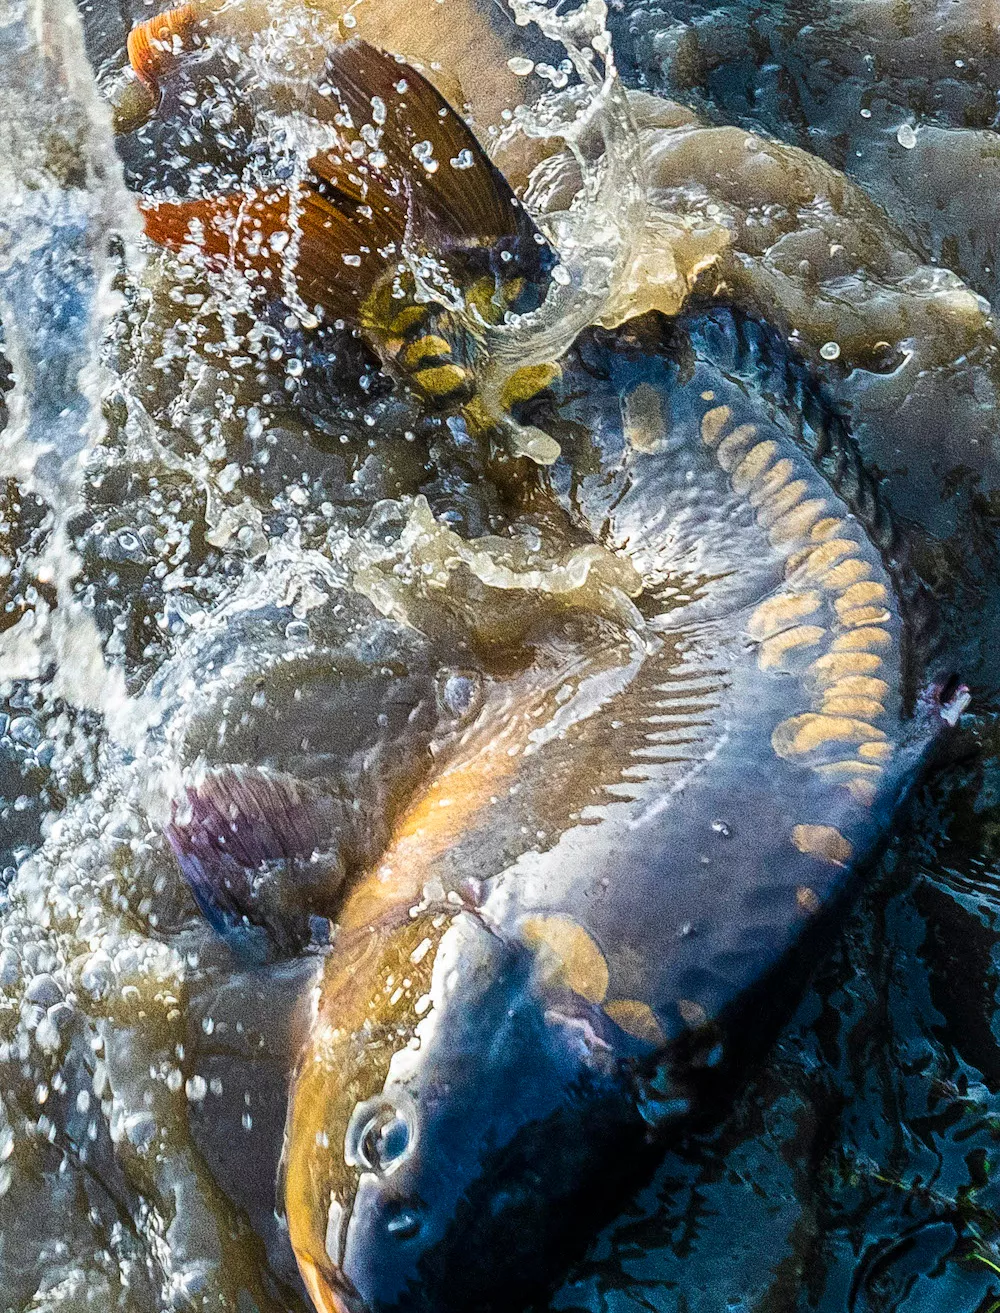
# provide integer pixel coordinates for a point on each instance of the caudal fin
(405, 174)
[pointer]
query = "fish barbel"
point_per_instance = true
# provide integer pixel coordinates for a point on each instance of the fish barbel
(606, 894)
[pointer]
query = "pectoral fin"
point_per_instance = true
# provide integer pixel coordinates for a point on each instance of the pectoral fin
(259, 848)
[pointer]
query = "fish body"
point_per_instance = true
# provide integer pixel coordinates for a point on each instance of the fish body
(607, 892)
(604, 893)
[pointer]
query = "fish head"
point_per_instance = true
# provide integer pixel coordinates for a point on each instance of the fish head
(437, 1139)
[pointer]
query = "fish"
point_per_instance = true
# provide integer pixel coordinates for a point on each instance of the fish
(407, 186)
(598, 904)
(599, 908)
(469, 49)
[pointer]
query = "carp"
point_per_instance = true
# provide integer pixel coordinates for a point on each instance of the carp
(603, 902)
(603, 897)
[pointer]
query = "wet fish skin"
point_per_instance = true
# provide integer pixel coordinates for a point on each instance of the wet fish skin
(770, 705)
(607, 897)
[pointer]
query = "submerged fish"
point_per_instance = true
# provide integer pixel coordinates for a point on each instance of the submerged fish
(604, 897)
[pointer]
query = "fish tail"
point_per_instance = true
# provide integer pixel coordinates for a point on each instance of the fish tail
(406, 184)
(154, 46)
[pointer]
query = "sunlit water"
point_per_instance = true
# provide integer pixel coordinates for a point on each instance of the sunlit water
(204, 514)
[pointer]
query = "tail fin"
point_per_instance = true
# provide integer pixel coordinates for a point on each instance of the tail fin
(405, 171)
(404, 139)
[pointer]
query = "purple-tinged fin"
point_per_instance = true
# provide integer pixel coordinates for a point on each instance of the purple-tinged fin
(259, 848)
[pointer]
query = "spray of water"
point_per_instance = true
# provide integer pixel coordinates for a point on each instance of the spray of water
(64, 201)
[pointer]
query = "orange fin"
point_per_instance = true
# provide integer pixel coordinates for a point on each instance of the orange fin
(240, 229)
(335, 258)
(407, 172)
(154, 46)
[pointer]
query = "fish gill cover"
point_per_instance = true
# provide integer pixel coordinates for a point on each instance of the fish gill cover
(292, 638)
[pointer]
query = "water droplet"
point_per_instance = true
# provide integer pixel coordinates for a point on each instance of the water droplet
(24, 730)
(459, 692)
(424, 152)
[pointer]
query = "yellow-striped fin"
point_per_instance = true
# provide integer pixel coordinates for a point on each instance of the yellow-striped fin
(428, 347)
(443, 381)
(527, 382)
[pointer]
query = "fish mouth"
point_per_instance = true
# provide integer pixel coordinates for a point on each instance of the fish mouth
(326, 1297)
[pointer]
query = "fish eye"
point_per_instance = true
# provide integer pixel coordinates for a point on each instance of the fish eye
(381, 1135)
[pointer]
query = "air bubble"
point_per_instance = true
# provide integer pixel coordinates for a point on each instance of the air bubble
(906, 136)
(830, 350)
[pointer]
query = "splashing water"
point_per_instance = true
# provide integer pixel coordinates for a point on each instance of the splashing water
(64, 201)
